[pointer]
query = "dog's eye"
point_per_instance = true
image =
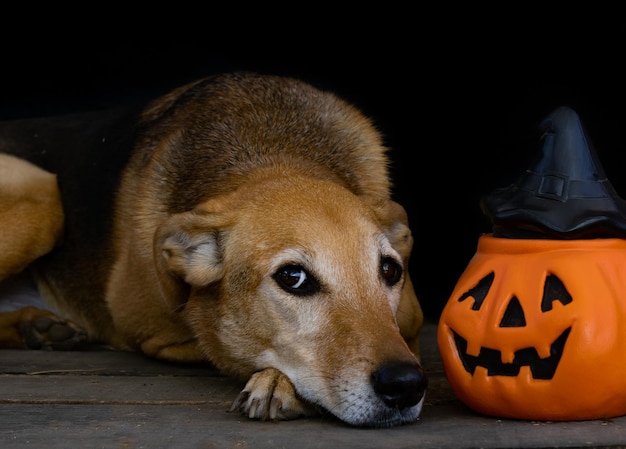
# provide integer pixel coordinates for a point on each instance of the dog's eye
(390, 270)
(294, 279)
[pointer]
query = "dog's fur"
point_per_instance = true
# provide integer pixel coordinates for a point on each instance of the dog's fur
(244, 220)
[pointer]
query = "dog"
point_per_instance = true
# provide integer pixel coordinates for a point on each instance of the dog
(243, 220)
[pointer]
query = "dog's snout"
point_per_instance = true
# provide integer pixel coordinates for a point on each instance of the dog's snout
(400, 384)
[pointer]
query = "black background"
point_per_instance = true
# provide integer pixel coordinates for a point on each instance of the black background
(457, 94)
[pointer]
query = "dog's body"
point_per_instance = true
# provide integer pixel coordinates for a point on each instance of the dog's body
(243, 220)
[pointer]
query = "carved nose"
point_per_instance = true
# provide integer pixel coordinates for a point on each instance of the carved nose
(513, 315)
(400, 384)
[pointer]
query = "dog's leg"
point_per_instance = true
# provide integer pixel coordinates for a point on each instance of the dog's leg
(33, 328)
(31, 217)
(31, 214)
(269, 394)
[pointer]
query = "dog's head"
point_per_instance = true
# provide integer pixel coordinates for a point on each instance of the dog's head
(301, 275)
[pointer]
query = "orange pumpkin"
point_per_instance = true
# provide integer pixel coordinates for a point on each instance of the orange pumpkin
(536, 329)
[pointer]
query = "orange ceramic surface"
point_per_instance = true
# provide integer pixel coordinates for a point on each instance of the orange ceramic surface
(536, 329)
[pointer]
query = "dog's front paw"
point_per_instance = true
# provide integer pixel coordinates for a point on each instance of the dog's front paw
(41, 329)
(269, 394)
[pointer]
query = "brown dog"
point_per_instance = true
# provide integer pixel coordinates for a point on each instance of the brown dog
(244, 220)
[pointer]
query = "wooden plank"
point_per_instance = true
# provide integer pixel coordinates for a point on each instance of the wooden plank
(195, 426)
(102, 362)
(56, 389)
(115, 399)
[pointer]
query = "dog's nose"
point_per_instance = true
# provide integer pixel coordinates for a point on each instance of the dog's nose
(400, 384)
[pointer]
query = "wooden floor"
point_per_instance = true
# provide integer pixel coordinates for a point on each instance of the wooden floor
(102, 399)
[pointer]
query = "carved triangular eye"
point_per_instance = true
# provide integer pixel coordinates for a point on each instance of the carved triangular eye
(513, 315)
(479, 291)
(554, 290)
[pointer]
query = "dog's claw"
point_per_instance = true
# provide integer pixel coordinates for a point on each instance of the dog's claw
(270, 395)
(257, 410)
(239, 402)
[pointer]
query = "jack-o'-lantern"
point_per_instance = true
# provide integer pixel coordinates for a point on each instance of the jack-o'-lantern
(536, 325)
(535, 329)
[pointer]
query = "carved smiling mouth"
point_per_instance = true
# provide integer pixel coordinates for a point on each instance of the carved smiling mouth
(491, 359)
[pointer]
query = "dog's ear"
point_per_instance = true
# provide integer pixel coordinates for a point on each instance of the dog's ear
(188, 252)
(396, 226)
(410, 316)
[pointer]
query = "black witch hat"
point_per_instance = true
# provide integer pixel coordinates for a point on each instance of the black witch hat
(566, 195)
